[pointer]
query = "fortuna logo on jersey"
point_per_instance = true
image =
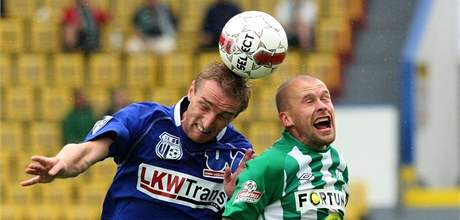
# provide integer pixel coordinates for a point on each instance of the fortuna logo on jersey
(330, 199)
(180, 188)
(169, 147)
(249, 193)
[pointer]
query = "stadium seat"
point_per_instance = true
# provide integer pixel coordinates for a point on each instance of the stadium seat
(136, 94)
(68, 69)
(290, 67)
(248, 115)
(58, 193)
(141, 70)
(326, 66)
(11, 35)
(333, 35)
(264, 98)
(357, 207)
(267, 6)
(99, 99)
(103, 172)
(55, 103)
(262, 134)
(205, 58)
(177, 70)
(32, 70)
(105, 69)
(19, 103)
(45, 36)
(11, 136)
(5, 70)
(166, 95)
(23, 9)
(45, 137)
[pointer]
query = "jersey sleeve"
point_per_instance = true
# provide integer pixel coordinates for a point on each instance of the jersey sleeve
(260, 183)
(125, 127)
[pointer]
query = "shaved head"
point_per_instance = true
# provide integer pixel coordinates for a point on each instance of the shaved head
(283, 90)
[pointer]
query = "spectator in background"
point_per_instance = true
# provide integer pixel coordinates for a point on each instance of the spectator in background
(79, 120)
(119, 99)
(155, 29)
(298, 18)
(82, 26)
(216, 16)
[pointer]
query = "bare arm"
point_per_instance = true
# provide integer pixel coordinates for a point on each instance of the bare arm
(72, 160)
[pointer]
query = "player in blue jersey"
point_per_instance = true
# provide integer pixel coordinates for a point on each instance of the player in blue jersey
(173, 162)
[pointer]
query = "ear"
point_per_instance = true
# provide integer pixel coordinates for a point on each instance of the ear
(191, 90)
(285, 119)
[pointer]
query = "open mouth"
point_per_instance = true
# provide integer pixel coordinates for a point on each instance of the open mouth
(322, 123)
(202, 130)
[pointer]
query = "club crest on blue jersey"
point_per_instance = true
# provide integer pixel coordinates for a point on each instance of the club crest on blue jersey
(169, 147)
(99, 124)
(216, 161)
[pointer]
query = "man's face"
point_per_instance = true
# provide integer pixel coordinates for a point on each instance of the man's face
(311, 112)
(209, 111)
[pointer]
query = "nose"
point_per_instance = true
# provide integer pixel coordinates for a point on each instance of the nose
(208, 120)
(321, 106)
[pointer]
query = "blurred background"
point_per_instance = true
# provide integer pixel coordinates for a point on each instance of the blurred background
(393, 68)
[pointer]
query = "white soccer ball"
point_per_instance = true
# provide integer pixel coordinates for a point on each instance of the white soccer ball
(252, 44)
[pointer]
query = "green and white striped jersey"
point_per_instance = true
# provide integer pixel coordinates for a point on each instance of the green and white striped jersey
(291, 181)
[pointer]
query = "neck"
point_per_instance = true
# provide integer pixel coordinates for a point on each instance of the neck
(308, 143)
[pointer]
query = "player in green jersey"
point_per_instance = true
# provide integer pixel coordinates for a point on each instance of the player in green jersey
(301, 176)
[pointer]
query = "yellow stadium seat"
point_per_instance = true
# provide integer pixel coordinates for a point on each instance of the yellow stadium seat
(58, 193)
(55, 103)
(45, 36)
(45, 212)
(14, 212)
(267, 6)
(11, 136)
(5, 70)
(99, 99)
(205, 58)
(356, 10)
(357, 207)
(93, 193)
(103, 172)
(262, 134)
(68, 69)
(45, 137)
(333, 35)
(333, 8)
(23, 9)
(141, 70)
(177, 70)
(266, 105)
(166, 95)
(326, 66)
(136, 94)
(290, 67)
(11, 35)
(32, 70)
(104, 69)
(248, 114)
(19, 103)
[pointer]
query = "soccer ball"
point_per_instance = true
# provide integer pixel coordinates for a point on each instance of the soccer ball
(252, 44)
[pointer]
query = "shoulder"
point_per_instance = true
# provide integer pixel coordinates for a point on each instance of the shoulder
(144, 111)
(235, 138)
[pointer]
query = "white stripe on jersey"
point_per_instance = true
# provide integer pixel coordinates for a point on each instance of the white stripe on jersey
(273, 211)
(327, 176)
(304, 168)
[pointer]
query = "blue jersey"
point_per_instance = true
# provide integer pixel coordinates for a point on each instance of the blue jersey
(162, 174)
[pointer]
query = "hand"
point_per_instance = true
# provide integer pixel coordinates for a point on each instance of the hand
(45, 169)
(230, 178)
